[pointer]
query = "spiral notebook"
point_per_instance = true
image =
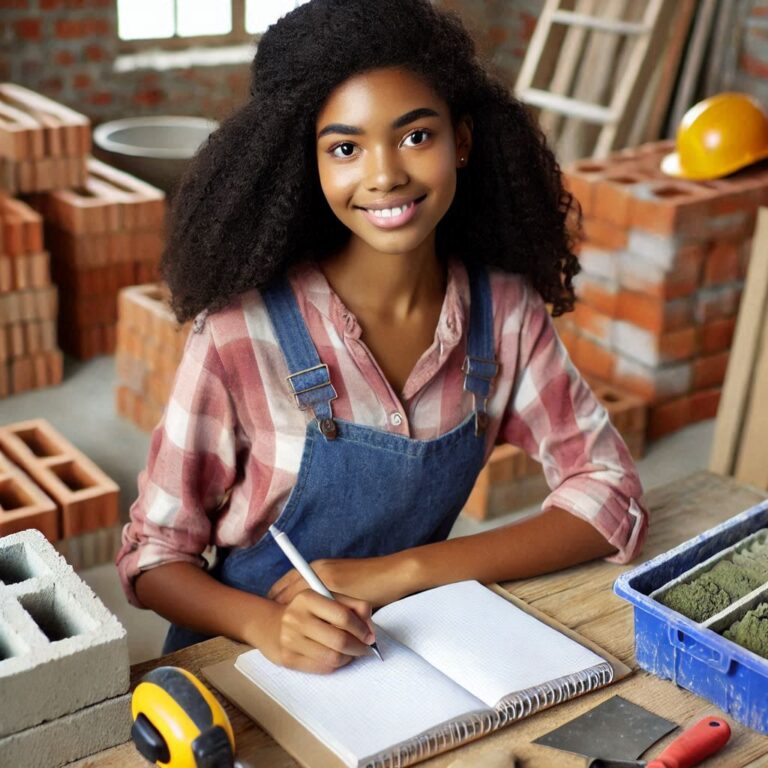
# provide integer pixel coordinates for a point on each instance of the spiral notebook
(460, 661)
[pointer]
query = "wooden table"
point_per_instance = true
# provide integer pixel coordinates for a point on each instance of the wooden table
(581, 598)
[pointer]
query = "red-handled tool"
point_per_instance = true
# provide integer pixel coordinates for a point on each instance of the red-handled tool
(694, 745)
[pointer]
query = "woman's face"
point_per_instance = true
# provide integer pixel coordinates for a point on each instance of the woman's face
(387, 155)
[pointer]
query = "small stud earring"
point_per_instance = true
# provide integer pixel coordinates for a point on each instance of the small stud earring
(461, 160)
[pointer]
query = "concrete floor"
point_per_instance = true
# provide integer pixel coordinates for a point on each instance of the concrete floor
(82, 408)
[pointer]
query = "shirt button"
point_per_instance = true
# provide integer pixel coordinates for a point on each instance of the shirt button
(396, 419)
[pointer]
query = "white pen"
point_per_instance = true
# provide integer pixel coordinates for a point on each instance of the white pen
(303, 567)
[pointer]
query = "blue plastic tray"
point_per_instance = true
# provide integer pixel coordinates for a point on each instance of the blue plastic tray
(676, 648)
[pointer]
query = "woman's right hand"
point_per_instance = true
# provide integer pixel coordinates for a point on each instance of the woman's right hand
(314, 634)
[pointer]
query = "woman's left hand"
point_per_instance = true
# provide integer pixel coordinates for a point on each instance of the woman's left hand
(373, 579)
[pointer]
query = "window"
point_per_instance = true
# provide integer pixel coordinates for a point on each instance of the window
(181, 23)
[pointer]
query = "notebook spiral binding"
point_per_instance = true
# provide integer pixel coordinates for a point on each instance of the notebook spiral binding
(509, 709)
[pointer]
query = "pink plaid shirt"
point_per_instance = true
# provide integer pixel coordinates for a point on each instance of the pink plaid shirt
(232, 425)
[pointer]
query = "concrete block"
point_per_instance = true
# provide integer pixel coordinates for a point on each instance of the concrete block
(60, 648)
(68, 738)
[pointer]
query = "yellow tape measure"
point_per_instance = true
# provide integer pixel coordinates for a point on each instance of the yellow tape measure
(177, 722)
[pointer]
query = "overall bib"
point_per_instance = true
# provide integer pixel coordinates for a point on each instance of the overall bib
(361, 491)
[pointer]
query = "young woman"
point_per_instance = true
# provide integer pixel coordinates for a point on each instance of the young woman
(368, 246)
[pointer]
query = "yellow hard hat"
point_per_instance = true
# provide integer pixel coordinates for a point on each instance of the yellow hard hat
(718, 136)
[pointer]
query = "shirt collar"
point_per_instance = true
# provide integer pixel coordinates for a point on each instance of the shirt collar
(313, 288)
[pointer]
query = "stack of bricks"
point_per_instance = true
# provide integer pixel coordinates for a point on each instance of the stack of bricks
(512, 480)
(64, 669)
(663, 266)
(47, 484)
(43, 144)
(29, 355)
(150, 344)
(103, 236)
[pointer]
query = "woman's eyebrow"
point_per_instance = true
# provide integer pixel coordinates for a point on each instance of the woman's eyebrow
(352, 130)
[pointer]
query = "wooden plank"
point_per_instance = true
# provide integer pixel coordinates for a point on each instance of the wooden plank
(752, 462)
(657, 98)
(739, 378)
(692, 64)
(635, 78)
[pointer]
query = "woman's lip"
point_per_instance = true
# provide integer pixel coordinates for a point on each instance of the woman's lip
(393, 221)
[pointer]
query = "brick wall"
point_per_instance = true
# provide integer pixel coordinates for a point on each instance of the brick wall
(66, 49)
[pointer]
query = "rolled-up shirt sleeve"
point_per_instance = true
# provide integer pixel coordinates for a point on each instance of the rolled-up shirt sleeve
(190, 467)
(553, 415)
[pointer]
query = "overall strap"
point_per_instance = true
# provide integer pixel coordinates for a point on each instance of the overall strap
(309, 379)
(480, 365)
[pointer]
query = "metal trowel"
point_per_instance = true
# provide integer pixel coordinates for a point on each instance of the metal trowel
(689, 749)
(618, 731)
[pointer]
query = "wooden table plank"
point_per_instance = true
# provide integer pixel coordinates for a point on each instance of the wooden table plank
(579, 597)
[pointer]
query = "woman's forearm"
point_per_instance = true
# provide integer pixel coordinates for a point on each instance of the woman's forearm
(189, 596)
(546, 542)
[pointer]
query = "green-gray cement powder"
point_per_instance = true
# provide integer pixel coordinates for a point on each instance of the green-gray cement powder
(719, 587)
(751, 631)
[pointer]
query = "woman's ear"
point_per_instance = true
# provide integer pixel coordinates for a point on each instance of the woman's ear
(463, 140)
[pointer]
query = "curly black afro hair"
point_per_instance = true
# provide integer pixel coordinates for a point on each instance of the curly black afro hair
(250, 204)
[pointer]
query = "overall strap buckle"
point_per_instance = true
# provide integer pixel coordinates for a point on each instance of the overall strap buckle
(479, 373)
(312, 388)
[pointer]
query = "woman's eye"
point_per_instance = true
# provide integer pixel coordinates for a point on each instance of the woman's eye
(347, 149)
(419, 136)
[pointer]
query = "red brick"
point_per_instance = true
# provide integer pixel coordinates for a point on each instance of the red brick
(579, 179)
(732, 195)
(704, 404)
(149, 97)
(717, 302)
(604, 234)
(82, 80)
(100, 98)
(639, 275)
(716, 335)
(595, 359)
(592, 322)
(64, 58)
(78, 28)
(722, 263)
(668, 207)
(28, 29)
(95, 53)
(710, 370)
(654, 314)
(598, 295)
(669, 417)
(613, 196)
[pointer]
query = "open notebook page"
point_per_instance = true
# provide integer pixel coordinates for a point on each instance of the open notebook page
(485, 643)
(367, 706)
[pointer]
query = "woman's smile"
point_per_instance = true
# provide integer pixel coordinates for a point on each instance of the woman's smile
(390, 218)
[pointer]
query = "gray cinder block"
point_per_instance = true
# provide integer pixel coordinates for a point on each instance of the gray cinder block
(70, 737)
(60, 648)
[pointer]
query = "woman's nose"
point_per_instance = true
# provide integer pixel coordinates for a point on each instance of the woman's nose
(384, 169)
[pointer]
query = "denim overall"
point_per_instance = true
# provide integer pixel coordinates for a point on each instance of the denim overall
(361, 491)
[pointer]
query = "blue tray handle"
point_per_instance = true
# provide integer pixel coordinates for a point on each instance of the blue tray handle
(710, 656)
